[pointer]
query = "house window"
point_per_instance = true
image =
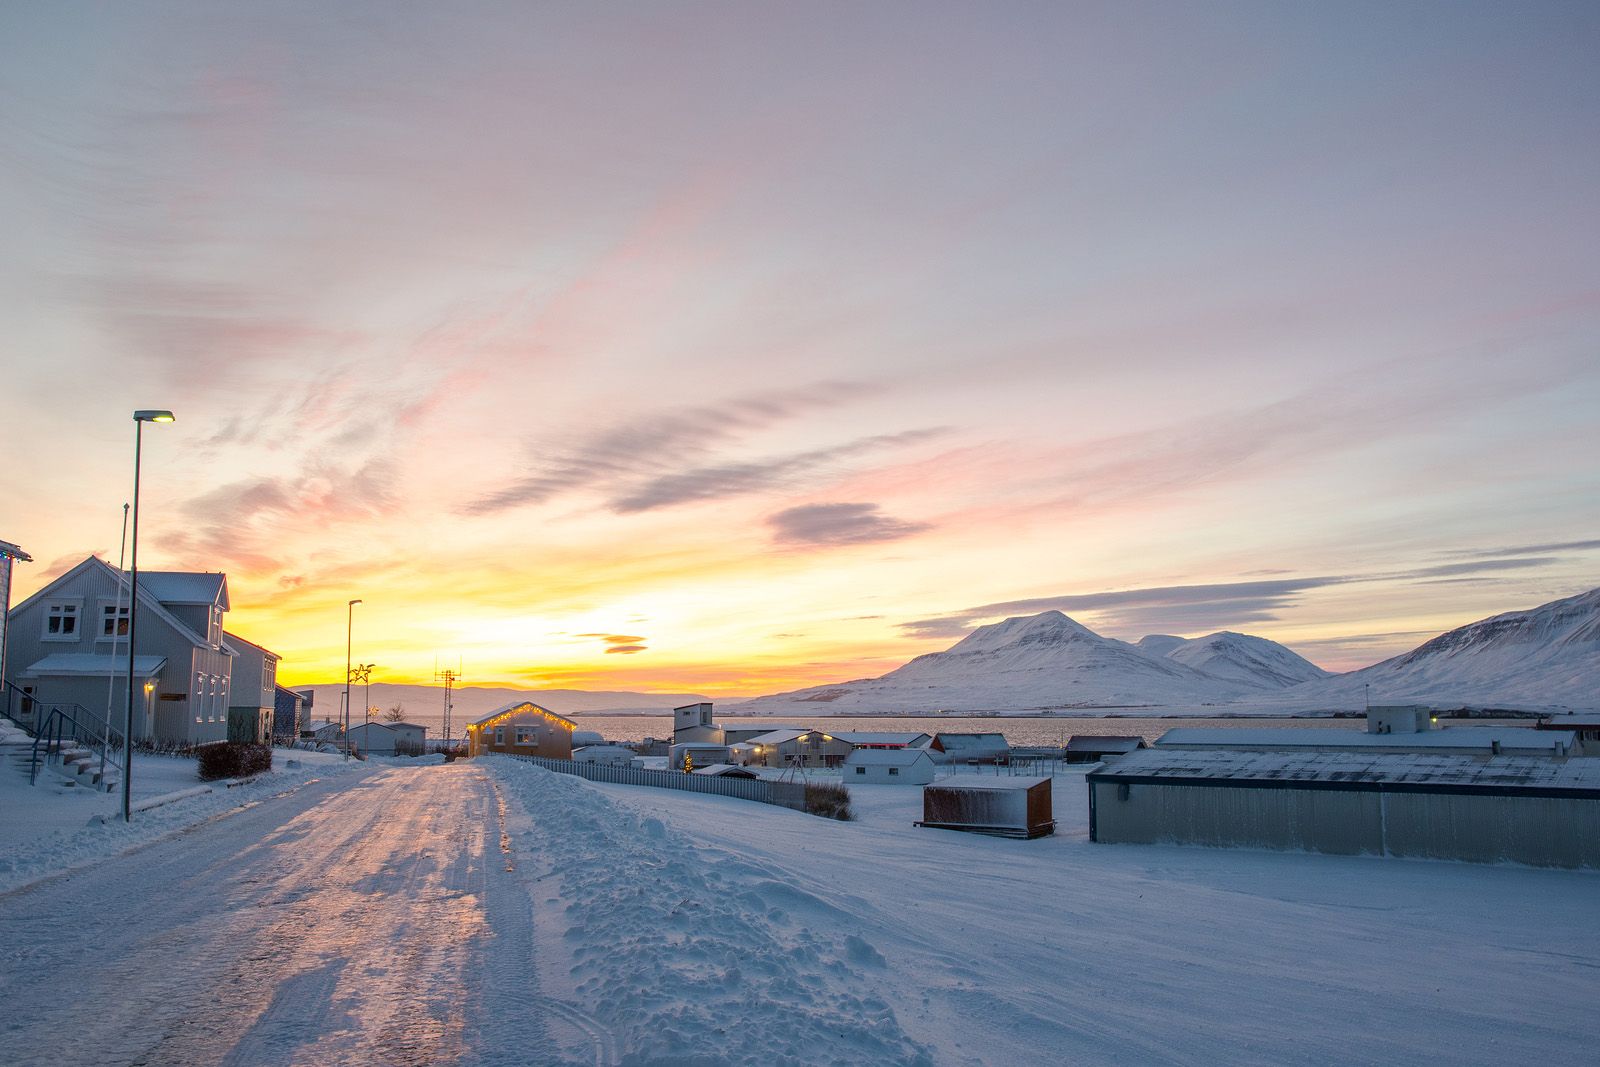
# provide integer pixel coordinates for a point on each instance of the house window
(61, 621)
(113, 619)
(527, 735)
(894, 770)
(500, 736)
(216, 626)
(861, 770)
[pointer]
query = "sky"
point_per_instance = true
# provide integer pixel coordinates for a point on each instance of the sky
(732, 348)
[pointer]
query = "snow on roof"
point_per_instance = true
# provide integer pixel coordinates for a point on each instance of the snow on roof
(186, 587)
(85, 663)
(725, 770)
(518, 705)
(319, 725)
(887, 757)
(857, 738)
(967, 740)
(1356, 770)
(406, 725)
(372, 726)
(1103, 743)
(1518, 738)
(776, 737)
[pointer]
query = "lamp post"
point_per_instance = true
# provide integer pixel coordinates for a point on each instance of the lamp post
(349, 627)
(140, 417)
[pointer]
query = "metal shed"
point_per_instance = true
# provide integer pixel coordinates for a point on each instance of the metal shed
(1520, 809)
(1003, 807)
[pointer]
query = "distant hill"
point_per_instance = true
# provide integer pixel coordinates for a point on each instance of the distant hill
(426, 702)
(1546, 657)
(1252, 661)
(1045, 661)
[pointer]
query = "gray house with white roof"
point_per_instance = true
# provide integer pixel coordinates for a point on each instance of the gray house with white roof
(68, 645)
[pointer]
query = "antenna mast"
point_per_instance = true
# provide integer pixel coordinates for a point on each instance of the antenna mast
(449, 678)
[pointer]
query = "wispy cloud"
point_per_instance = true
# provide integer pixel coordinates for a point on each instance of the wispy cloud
(246, 523)
(839, 524)
(734, 479)
(658, 460)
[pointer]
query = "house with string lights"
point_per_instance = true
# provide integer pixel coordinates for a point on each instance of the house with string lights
(522, 729)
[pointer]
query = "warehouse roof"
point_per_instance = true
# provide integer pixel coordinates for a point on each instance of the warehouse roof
(1367, 771)
(898, 739)
(1517, 738)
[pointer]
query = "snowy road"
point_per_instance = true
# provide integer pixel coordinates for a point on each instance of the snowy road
(369, 923)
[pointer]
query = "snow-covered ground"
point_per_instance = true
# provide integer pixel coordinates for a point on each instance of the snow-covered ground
(51, 826)
(706, 929)
(490, 912)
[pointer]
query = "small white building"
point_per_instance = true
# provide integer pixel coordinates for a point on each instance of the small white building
(411, 738)
(322, 732)
(888, 766)
(699, 754)
(616, 755)
(585, 738)
(373, 739)
(693, 723)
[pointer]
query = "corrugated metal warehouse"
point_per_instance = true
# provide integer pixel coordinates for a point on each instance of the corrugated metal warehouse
(1539, 811)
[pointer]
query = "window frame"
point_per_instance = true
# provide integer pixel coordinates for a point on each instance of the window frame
(123, 616)
(63, 609)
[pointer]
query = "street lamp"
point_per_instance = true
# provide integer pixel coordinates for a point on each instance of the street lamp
(140, 417)
(349, 625)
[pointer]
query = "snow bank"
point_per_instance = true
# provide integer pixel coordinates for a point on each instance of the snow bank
(690, 952)
(35, 845)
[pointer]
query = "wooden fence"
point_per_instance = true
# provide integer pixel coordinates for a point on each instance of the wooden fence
(760, 790)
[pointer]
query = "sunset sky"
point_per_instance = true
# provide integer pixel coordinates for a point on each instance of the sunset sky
(738, 347)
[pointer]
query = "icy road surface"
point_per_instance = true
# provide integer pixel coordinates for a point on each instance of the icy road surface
(370, 923)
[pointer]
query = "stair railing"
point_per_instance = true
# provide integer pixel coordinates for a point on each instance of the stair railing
(61, 724)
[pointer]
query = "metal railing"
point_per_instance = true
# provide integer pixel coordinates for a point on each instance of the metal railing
(760, 790)
(60, 725)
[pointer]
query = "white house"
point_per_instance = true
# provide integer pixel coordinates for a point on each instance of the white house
(888, 766)
(67, 647)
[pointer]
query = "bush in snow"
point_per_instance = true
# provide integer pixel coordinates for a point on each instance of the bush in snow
(233, 759)
(830, 801)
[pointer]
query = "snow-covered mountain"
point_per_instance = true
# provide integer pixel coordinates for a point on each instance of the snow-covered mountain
(1546, 657)
(1047, 661)
(1252, 661)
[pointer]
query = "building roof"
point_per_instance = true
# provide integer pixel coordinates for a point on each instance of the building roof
(1424, 772)
(286, 691)
(372, 726)
(84, 663)
(13, 552)
(1516, 738)
(700, 744)
(319, 726)
(407, 725)
(147, 601)
(853, 737)
(186, 587)
(229, 637)
(775, 737)
(725, 770)
(507, 710)
(887, 757)
(1103, 743)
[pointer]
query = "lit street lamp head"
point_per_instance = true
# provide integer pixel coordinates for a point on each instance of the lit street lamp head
(354, 602)
(152, 415)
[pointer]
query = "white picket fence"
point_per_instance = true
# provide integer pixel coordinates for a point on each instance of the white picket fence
(783, 794)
